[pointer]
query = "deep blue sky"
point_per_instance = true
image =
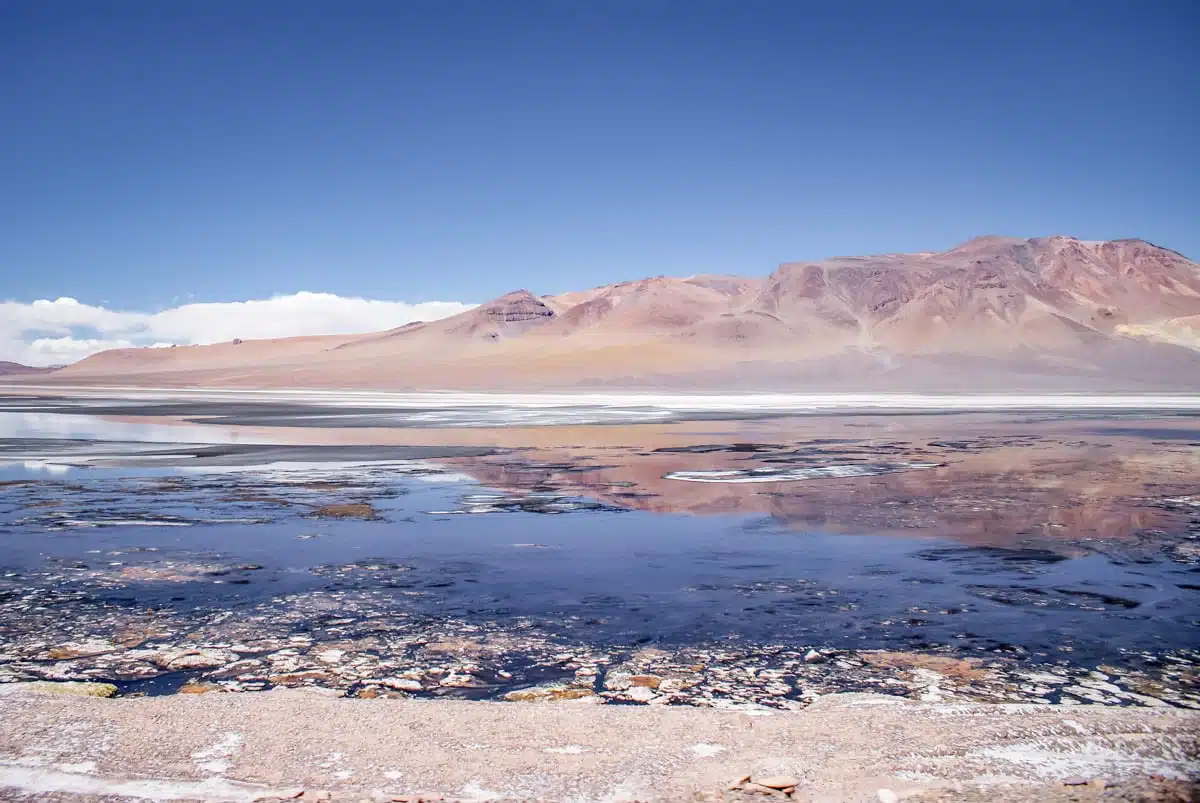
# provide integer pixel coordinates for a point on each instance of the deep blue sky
(155, 150)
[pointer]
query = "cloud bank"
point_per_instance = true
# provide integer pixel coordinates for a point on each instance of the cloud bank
(64, 330)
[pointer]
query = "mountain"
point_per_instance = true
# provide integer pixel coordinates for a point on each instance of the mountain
(995, 313)
(17, 369)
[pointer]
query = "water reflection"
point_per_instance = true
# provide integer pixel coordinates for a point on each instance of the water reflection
(981, 480)
(48, 425)
(1002, 491)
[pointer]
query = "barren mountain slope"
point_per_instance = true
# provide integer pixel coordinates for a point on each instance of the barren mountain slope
(218, 356)
(988, 296)
(1051, 311)
(17, 369)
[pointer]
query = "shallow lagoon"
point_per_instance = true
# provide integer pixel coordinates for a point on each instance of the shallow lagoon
(1013, 546)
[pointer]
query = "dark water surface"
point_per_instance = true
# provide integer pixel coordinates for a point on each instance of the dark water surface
(615, 575)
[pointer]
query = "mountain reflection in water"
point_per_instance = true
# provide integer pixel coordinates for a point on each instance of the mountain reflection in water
(993, 491)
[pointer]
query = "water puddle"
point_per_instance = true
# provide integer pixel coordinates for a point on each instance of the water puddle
(797, 474)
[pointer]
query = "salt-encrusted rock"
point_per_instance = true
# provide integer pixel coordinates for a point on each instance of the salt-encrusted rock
(777, 781)
(73, 688)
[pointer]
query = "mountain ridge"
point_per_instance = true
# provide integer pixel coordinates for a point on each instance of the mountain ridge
(1119, 311)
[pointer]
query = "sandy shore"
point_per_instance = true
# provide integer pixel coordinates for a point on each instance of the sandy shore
(843, 748)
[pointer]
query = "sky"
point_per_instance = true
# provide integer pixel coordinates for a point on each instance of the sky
(179, 171)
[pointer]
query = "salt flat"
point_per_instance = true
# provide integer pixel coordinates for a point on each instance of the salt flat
(748, 402)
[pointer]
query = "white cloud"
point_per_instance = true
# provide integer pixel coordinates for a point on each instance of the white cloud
(57, 350)
(64, 330)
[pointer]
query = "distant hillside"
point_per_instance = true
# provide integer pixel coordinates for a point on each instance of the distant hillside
(17, 369)
(994, 313)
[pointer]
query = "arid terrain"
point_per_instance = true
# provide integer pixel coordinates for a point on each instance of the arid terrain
(994, 313)
(462, 401)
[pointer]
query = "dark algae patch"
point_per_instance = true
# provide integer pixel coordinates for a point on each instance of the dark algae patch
(348, 510)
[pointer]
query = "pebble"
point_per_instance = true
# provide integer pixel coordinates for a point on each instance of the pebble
(777, 781)
(641, 694)
(751, 786)
(649, 681)
(814, 657)
(549, 692)
(176, 660)
(73, 688)
(459, 681)
(618, 680)
(739, 782)
(887, 796)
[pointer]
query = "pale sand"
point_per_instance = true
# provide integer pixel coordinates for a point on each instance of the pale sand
(227, 747)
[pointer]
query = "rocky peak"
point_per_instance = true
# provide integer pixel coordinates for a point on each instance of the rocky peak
(986, 241)
(517, 306)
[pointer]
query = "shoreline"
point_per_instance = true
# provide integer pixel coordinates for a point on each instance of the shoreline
(679, 401)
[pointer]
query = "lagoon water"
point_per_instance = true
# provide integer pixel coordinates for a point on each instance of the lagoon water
(957, 534)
